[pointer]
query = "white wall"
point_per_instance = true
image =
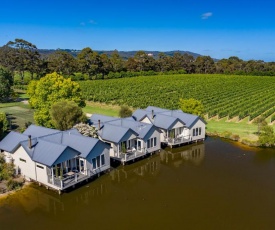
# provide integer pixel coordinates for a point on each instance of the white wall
(146, 120)
(201, 125)
(27, 168)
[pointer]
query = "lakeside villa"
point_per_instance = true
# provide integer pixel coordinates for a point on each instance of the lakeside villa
(61, 159)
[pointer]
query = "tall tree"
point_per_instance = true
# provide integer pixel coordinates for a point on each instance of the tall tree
(116, 62)
(66, 114)
(3, 124)
(106, 65)
(6, 82)
(89, 62)
(26, 56)
(51, 89)
(62, 62)
(205, 64)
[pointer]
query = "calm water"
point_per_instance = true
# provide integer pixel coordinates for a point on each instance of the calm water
(215, 185)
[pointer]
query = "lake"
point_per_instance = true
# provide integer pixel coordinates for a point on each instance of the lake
(212, 185)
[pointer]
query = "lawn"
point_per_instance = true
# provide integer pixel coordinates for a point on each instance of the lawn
(18, 113)
(100, 108)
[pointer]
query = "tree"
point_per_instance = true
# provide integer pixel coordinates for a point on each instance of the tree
(116, 62)
(3, 123)
(62, 62)
(86, 130)
(192, 106)
(205, 64)
(6, 81)
(105, 66)
(89, 62)
(51, 89)
(125, 111)
(267, 136)
(65, 114)
(26, 56)
(260, 122)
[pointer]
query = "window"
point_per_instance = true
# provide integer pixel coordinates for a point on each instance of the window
(102, 159)
(152, 142)
(39, 166)
(22, 160)
(200, 131)
(197, 131)
(98, 161)
(94, 163)
(148, 144)
(194, 132)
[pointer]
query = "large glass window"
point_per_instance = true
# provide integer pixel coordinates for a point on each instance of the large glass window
(102, 159)
(94, 163)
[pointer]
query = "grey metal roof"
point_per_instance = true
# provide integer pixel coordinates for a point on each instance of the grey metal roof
(84, 145)
(49, 153)
(12, 141)
(156, 109)
(39, 131)
(139, 127)
(114, 133)
(139, 114)
(188, 119)
(103, 119)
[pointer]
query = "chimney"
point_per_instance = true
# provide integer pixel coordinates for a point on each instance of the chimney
(152, 114)
(98, 124)
(30, 141)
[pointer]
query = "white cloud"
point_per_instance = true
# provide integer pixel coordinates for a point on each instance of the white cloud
(206, 15)
(93, 22)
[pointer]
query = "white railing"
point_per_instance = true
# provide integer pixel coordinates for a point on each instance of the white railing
(178, 140)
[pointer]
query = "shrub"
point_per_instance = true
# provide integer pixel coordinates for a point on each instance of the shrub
(13, 184)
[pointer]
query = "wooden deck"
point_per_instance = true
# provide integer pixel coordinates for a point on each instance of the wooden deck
(130, 156)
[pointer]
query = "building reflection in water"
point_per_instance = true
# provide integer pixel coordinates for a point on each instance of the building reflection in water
(142, 169)
(105, 189)
(193, 154)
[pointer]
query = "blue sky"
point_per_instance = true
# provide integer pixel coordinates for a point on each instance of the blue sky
(217, 28)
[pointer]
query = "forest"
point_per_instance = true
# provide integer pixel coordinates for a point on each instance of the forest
(21, 57)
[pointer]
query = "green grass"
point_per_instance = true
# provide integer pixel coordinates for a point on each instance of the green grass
(244, 129)
(18, 113)
(100, 108)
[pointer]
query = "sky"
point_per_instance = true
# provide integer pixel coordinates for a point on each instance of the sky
(220, 29)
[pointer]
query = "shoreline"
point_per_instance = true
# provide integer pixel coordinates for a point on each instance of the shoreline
(235, 138)
(7, 194)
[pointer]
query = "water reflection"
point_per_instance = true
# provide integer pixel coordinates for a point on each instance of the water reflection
(225, 190)
(178, 156)
(143, 169)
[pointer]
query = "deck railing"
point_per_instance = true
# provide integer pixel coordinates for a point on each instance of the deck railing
(177, 140)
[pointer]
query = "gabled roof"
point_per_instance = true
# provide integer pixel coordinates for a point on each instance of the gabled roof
(114, 129)
(49, 153)
(139, 127)
(102, 118)
(161, 117)
(50, 146)
(82, 144)
(114, 133)
(39, 131)
(12, 141)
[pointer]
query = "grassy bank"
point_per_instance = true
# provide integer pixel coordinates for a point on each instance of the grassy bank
(20, 113)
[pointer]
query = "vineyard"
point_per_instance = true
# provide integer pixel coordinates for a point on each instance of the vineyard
(221, 95)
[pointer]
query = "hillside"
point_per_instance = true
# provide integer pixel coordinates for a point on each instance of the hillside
(124, 54)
